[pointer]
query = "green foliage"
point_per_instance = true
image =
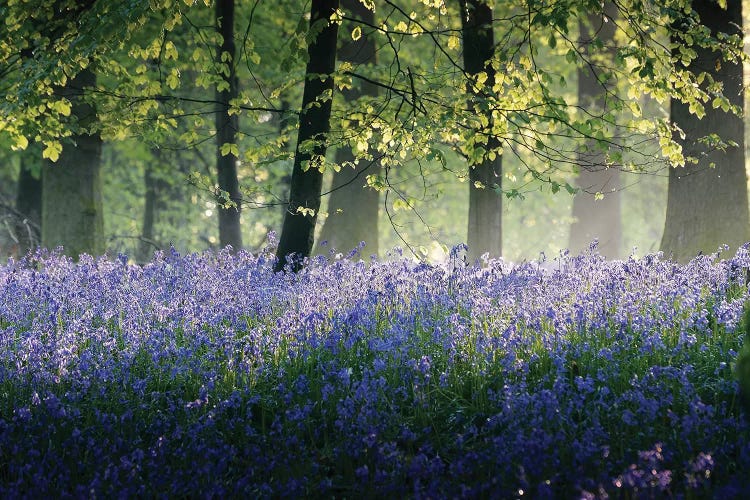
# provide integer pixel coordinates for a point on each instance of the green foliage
(156, 63)
(168, 40)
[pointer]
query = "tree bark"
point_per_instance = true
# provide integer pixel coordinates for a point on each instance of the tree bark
(29, 192)
(156, 192)
(359, 205)
(29, 201)
(708, 207)
(230, 230)
(485, 204)
(145, 249)
(72, 187)
(285, 183)
(596, 219)
(298, 230)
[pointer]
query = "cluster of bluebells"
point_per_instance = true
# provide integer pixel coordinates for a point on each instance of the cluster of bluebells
(211, 375)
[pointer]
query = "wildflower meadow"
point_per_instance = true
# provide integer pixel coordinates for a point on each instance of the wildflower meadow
(209, 375)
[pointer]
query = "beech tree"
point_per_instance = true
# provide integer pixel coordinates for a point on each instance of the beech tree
(485, 202)
(227, 125)
(155, 190)
(298, 230)
(352, 205)
(596, 206)
(29, 201)
(28, 225)
(71, 186)
(71, 177)
(707, 203)
(517, 110)
(48, 51)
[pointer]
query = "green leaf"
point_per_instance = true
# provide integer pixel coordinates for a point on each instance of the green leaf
(21, 143)
(52, 151)
(399, 205)
(306, 212)
(173, 80)
(229, 148)
(62, 106)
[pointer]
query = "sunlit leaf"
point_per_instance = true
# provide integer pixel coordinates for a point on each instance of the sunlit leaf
(52, 151)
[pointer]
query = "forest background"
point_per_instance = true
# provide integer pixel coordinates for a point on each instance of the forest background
(164, 74)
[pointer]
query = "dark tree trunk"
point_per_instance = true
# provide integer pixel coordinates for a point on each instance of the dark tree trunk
(71, 187)
(596, 219)
(145, 244)
(230, 231)
(29, 201)
(156, 188)
(286, 179)
(708, 207)
(29, 192)
(485, 205)
(353, 207)
(298, 230)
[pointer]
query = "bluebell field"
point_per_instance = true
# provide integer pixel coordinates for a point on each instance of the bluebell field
(210, 375)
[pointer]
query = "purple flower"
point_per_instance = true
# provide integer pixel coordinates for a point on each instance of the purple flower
(210, 374)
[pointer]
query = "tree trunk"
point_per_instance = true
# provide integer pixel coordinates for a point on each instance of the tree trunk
(298, 230)
(708, 206)
(145, 243)
(353, 207)
(29, 201)
(230, 231)
(596, 219)
(72, 187)
(156, 192)
(485, 204)
(29, 191)
(285, 183)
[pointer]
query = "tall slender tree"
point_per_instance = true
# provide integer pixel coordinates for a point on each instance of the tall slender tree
(353, 207)
(72, 187)
(155, 188)
(29, 191)
(485, 204)
(227, 124)
(29, 201)
(598, 219)
(298, 230)
(145, 243)
(707, 203)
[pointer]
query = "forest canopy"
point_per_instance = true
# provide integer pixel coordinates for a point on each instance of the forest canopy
(408, 101)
